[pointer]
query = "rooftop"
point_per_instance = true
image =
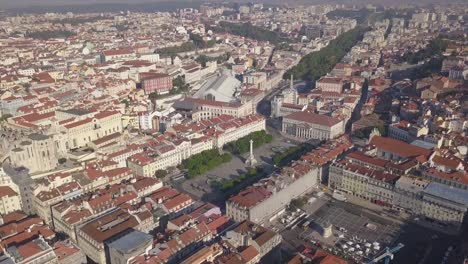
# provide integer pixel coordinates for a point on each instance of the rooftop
(314, 118)
(130, 241)
(448, 193)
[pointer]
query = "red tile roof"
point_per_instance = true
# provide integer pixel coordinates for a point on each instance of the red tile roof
(6, 191)
(400, 148)
(313, 118)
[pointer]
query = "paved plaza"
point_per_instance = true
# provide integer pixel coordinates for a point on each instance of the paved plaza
(358, 225)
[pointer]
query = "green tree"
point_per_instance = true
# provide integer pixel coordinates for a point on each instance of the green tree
(5, 117)
(316, 64)
(249, 31)
(435, 48)
(200, 163)
(161, 174)
(242, 145)
(172, 51)
(297, 203)
(48, 34)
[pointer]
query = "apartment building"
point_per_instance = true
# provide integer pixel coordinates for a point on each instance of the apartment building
(421, 197)
(260, 202)
(159, 83)
(67, 253)
(257, 80)
(94, 236)
(360, 181)
(160, 155)
(121, 54)
(10, 200)
(128, 246)
(252, 242)
(36, 251)
(175, 247)
(330, 84)
(397, 151)
(81, 132)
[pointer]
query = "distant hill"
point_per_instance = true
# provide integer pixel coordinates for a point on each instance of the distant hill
(86, 6)
(82, 6)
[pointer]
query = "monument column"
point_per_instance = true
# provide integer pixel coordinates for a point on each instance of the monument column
(251, 161)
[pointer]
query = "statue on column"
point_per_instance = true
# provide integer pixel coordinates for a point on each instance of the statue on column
(251, 161)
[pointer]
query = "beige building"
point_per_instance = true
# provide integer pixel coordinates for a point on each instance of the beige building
(445, 205)
(202, 109)
(360, 181)
(162, 156)
(270, 196)
(81, 132)
(307, 125)
(257, 80)
(10, 200)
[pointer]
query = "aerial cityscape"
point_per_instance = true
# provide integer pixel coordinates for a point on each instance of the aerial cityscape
(233, 132)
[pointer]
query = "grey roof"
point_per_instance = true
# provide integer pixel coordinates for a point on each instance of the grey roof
(184, 105)
(131, 241)
(37, 136)
(423, 144)
(447, 192)
(222, 87)
(76, 111)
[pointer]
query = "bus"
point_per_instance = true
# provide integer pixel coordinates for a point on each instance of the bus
(338, 195)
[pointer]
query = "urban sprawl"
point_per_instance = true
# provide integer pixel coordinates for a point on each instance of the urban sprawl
(235, 134)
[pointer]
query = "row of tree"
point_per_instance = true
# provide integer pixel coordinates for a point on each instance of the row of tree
(203, 59)
(196, 42)
(252, 175)
(172, 51)
(316, 64)
(49, 34)
(200, 43)
(202, 162)
(80, 20)
(242, 145)
(286, 157)
(249, 31)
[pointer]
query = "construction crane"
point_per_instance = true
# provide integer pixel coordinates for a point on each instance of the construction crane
(387, 255)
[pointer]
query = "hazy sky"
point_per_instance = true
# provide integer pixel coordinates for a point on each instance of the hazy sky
(5, 4)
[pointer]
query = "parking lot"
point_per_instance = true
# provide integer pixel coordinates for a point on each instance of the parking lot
(358, 235)
(358, 225)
